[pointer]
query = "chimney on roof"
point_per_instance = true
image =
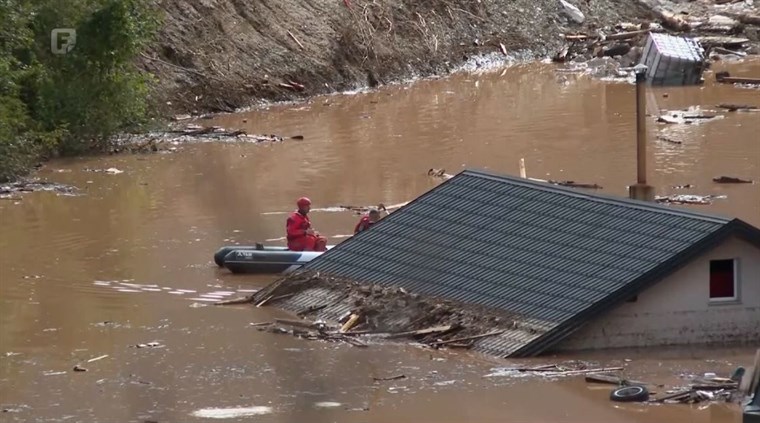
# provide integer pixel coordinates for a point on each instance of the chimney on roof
(641, 191)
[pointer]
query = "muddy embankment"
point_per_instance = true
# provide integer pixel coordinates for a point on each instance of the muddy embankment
(220, 55)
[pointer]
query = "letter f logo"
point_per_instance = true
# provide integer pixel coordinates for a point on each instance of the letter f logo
(62, 40)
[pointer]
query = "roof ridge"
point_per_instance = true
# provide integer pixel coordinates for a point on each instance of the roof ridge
(603, 198)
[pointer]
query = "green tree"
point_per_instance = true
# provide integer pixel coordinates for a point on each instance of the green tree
(70, 103)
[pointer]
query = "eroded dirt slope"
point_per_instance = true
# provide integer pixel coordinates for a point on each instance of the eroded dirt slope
(216, 55)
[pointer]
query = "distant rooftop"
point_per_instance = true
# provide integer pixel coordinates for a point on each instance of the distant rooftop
(554, 256)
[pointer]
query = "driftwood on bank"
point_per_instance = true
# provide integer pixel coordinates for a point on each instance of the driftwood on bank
(217, 132)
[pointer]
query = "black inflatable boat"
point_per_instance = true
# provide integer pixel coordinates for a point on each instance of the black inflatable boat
(262, 259)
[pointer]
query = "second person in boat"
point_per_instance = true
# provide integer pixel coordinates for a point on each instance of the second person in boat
(367, 220)
(300, 235)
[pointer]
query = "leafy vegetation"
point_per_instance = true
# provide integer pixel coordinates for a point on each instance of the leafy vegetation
(72, 103)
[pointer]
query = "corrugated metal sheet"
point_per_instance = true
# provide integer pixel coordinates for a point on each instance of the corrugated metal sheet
(542, 252)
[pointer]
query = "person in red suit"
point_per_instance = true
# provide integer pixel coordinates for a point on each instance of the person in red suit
(300, 235)
(367, 220)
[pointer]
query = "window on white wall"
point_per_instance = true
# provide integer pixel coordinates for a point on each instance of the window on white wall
(723, 280)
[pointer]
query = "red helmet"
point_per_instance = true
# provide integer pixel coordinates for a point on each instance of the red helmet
(303, 202)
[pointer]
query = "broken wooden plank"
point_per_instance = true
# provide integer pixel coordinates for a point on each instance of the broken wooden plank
(460, 345)
(544, 368)
(299, 323)
(238, 300)
(574, 184)
(674, 396)
(264, 301)
(350, 323)
(612, 380)
(259, 324)
(725, 77)
(311, 309)
(468, 338)
(380, 379)
(353, 341)
(586, 371)
(714, 387)
(97, 358)
(576, 37)
(434, 329)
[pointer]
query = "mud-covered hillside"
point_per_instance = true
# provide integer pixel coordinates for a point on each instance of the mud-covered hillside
(214, 55)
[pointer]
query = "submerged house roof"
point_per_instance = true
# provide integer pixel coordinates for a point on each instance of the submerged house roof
(554, 256)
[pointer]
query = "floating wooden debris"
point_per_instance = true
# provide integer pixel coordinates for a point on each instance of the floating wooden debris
(731, 180)
(739, 107)
(668, 140)
(217, 132)
(687, 199)
(692, 115)
(574, 184)
(439, 173)
(725, 77)
(380, 379)
(611, 380)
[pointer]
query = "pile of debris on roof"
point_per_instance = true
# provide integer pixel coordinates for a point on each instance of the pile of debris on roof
(338, 309)
(703, 31)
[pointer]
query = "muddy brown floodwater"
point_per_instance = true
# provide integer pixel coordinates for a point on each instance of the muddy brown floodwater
(129, 261)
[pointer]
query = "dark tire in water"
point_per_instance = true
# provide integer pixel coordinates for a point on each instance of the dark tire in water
(634, 393)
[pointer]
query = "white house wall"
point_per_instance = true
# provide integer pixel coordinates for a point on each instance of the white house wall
(677, 310)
